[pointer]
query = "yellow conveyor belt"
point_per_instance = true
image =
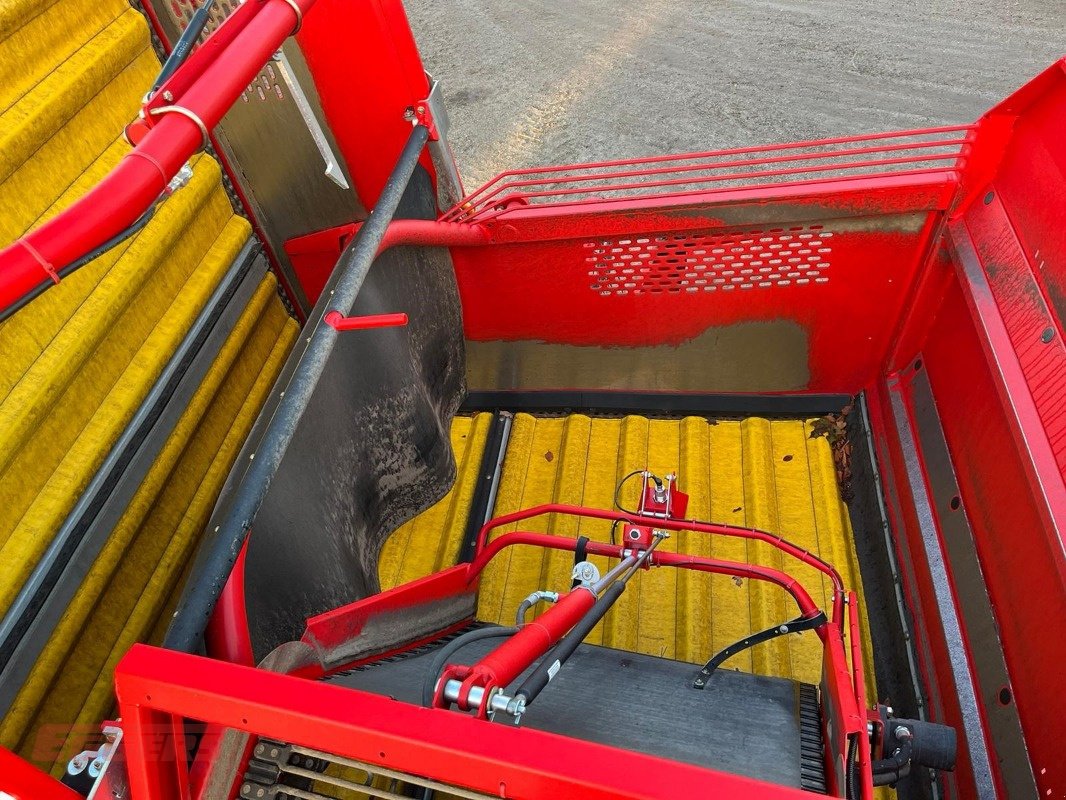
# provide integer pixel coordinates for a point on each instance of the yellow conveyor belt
(77, 362)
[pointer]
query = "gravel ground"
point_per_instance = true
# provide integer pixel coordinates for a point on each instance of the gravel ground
(559, 81)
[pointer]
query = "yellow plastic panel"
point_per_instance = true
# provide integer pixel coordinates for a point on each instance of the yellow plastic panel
(753, 472)
(432, 540)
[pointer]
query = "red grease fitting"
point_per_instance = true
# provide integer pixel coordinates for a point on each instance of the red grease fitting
(339, 322)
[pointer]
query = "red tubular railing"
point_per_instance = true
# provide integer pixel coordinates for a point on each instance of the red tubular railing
(205, 86)
(661, 558)
(671, 525)
(605, 176)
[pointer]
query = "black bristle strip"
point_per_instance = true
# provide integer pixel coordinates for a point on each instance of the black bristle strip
(812, 745)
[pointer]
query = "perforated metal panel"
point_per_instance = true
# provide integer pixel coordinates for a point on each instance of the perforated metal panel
(693, 262)
(269, 84)
(276, 162)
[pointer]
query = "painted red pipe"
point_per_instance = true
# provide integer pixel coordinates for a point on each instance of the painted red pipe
(806, 604)
(433, 233)
(676, 525)
(144, 173)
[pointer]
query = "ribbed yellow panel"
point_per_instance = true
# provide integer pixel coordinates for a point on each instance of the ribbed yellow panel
(77, 362)
(432, 540)
(123, 597)
(754, 472)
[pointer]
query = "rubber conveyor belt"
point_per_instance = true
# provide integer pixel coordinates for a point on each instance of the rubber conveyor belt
(742, 724)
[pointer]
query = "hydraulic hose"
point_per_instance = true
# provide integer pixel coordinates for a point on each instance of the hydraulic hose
(430, 684)
(183, 47)
(96, 252)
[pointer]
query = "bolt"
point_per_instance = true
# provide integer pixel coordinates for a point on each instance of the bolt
(168, 96)
(1047, 335)
(903, 732)
(783, 629)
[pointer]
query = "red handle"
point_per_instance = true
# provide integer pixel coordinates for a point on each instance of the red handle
(339, 322)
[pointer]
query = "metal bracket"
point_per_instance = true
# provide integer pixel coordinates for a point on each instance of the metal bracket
(585, 573)
(792, 626)
(105, 768)
(205, 134)
(431, 113)
(333, 166)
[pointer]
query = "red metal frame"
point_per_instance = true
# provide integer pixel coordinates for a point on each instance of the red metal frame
(806, 605)
(155, 686)
(23, 781)
(157, 689)
(368, 73)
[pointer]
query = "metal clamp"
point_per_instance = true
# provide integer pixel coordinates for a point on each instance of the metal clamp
(183, 111)
(299, 16)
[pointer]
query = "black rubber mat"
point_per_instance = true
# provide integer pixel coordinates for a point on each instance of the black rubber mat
(741, 723)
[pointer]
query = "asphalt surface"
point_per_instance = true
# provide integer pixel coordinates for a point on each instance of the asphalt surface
(562, 81)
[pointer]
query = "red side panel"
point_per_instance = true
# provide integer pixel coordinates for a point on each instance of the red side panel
(368, 72)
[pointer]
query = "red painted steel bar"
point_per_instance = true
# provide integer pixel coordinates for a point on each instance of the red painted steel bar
(475, 196)
(445, 746)
(664, 558)
(957, 144)
(20, 780)
(732, 176)
(865, 764)
(826, 186)
(144, 173)
(673, 525)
